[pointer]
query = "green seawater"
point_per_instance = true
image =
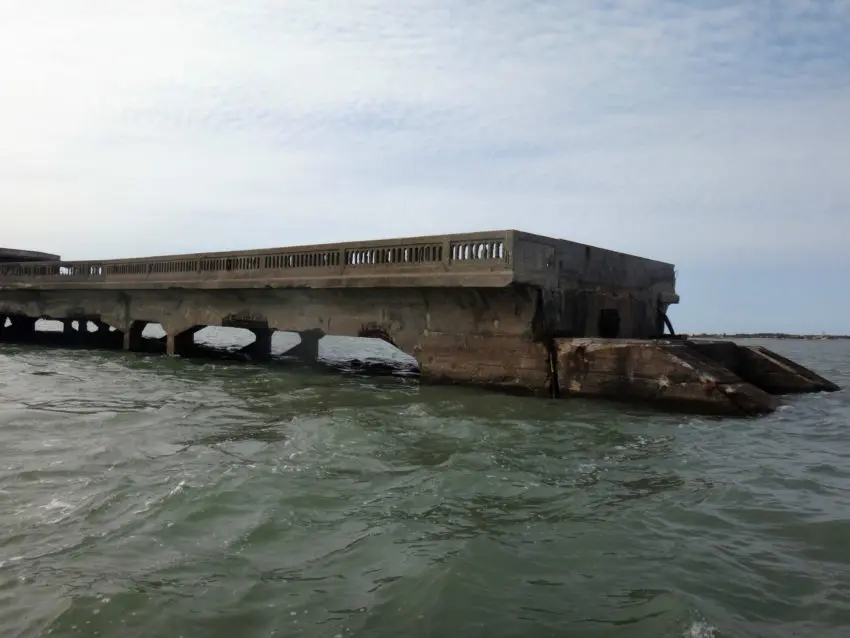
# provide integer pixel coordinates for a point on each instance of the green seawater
(146, 496)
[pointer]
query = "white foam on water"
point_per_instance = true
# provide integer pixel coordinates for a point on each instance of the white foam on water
(158, 499)
(56, 504)
(177, 488)
(699, 629)
(62, 510)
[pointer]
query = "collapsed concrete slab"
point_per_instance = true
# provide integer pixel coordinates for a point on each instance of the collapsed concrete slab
(713, 378)
(663, 373)
(764, 368)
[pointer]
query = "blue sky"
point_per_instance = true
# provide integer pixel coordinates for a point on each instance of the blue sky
(715, 135)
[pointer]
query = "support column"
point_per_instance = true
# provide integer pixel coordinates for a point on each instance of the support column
(80, 336)
(308, 350)
(133, 339)
(105, 336)
(182, 344)
(68, 332)
(73, 336)
(261, 349)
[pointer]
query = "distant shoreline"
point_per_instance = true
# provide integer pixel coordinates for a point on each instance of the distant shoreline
(767, 335)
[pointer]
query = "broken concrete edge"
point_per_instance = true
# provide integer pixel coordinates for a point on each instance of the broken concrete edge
(669, 373)
(780, 370)
(763, 367)
(657, 374)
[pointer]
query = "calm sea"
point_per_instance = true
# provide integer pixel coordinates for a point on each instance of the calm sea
(146, 496)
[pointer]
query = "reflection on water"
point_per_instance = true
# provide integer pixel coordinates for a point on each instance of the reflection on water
(147, 496)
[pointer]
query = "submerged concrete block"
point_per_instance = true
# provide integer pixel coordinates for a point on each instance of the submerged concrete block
(659, 372)
(132, 338)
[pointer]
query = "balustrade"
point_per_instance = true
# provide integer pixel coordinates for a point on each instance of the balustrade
(488, 249)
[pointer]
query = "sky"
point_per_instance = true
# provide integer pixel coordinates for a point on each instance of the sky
(711, 134)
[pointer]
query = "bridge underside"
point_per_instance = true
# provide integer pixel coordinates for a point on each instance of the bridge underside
(517, 338)
(478, 336)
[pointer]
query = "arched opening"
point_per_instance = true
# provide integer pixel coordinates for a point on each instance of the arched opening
(153, 331)
(234, 342)
(371, 353)
(146, 336)
(71, 332)
(304, 347)
(49, 326)
(201, 341)
(224, 338)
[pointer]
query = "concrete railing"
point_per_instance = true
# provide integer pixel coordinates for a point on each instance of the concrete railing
(488, 252)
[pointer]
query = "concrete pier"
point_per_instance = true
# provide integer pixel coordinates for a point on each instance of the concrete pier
(132, 337)
(307, 350)
(501, 309)
(261, 348)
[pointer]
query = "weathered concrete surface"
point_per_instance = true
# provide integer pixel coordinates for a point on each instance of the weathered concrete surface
(511, 363)
(662, 373)
(501, 309)
(461, 336)
(583, 290)
(574, 290)
(472, 336)
(763, 368)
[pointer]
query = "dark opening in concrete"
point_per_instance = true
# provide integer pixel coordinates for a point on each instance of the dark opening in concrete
(609, 323)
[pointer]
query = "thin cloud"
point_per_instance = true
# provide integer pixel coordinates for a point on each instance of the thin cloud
(694, 132)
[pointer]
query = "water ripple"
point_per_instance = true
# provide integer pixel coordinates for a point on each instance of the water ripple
(146, 496)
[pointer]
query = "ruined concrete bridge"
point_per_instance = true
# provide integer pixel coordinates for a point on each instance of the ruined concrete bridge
(505, 308)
